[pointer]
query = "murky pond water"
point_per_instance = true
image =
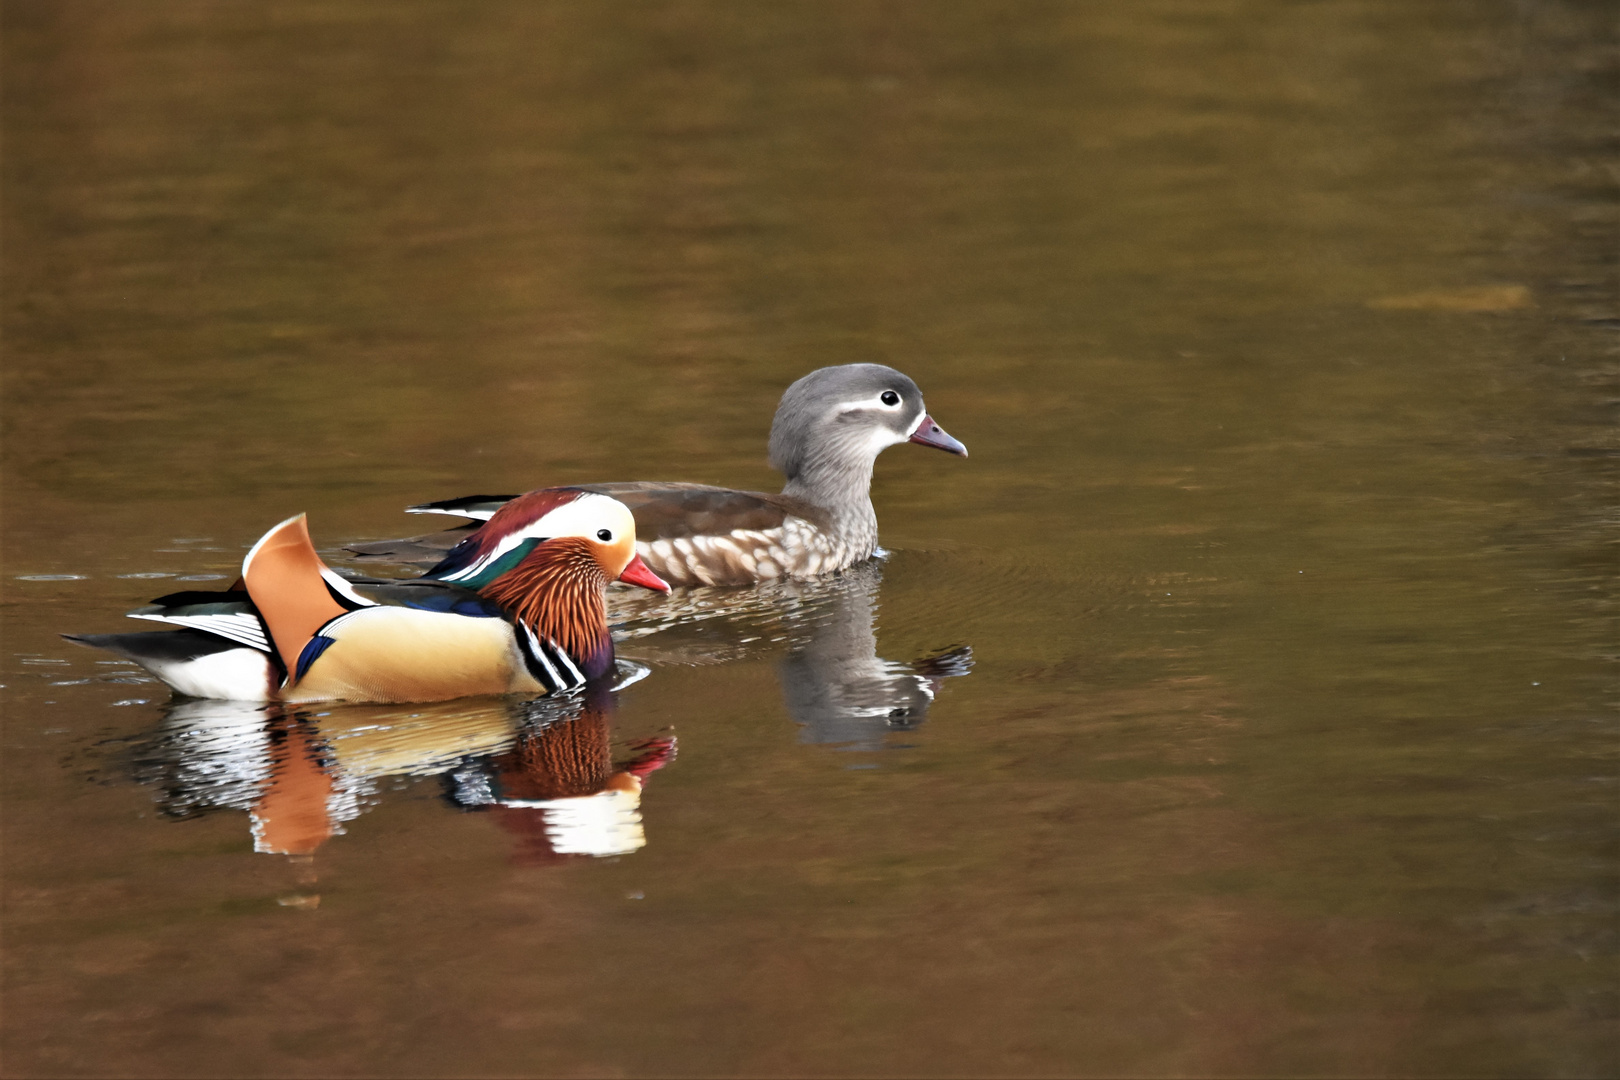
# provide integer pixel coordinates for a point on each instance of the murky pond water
(1240, 707)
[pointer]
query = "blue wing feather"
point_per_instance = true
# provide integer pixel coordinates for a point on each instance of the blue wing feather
(426, 595)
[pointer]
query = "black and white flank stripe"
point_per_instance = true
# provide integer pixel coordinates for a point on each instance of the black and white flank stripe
(550, 666)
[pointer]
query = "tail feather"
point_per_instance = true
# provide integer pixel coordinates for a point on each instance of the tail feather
(194, 662)
(172, 646)
(478, 507)
(231, 615)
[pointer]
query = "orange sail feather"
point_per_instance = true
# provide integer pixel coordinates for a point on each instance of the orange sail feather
(283, 578)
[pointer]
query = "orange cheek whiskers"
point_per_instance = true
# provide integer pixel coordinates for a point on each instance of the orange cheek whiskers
(557, 592)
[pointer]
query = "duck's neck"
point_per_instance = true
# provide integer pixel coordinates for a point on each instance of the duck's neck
(841, 486)
(557, 592)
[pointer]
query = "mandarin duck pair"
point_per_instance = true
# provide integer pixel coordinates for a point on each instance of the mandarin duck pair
(515, 603)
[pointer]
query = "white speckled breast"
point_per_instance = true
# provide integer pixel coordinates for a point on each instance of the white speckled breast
(796, 549)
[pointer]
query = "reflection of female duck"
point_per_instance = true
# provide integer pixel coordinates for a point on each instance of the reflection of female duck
(833, 681)
(841, 691)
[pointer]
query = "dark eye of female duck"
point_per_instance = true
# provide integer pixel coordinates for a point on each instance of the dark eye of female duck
(604, 534)
(890, 398)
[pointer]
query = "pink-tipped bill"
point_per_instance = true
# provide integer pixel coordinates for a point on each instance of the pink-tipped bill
(636, 573)
(931, 434)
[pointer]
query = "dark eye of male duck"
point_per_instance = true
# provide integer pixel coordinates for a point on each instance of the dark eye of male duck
(516, 607)
(829, 429)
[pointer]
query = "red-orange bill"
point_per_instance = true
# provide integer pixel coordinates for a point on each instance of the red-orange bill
(636, 573)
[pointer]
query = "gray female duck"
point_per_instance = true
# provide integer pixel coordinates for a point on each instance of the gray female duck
(829, 429)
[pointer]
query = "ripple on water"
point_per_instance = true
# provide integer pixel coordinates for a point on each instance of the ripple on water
(52, 577)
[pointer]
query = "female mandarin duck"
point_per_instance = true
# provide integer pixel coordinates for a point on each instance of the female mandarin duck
(515, 607)
(829, 429)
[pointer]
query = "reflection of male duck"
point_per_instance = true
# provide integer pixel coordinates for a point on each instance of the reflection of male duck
(300, 775)
(294, 813)
(558, 789)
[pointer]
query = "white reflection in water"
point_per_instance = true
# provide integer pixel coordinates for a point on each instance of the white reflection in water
(607, 823)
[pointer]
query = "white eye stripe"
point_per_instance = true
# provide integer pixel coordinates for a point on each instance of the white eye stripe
(583, 517)
(875, 402)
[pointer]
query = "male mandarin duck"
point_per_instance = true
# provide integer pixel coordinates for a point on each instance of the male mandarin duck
(516, 607)
(829, 429)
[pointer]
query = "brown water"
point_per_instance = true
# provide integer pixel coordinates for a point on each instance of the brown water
(1269, 625)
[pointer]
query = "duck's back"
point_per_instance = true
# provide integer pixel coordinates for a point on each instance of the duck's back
(689, 534)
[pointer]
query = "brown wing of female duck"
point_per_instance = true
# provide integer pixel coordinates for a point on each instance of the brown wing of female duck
(694, 534)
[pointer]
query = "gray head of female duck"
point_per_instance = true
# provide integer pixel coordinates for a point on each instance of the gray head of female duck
(831, 426)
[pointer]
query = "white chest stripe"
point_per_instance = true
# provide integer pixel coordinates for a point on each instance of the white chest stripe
(341, 585)
(576, 676)
(544, 658)
(537, 653)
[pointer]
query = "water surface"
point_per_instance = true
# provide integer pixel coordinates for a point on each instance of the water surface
(1243, 705)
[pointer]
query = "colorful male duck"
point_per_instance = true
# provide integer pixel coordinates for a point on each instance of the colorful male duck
(516, 607)
(829, 429)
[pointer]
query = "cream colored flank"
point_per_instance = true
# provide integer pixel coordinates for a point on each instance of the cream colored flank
(393, 654)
